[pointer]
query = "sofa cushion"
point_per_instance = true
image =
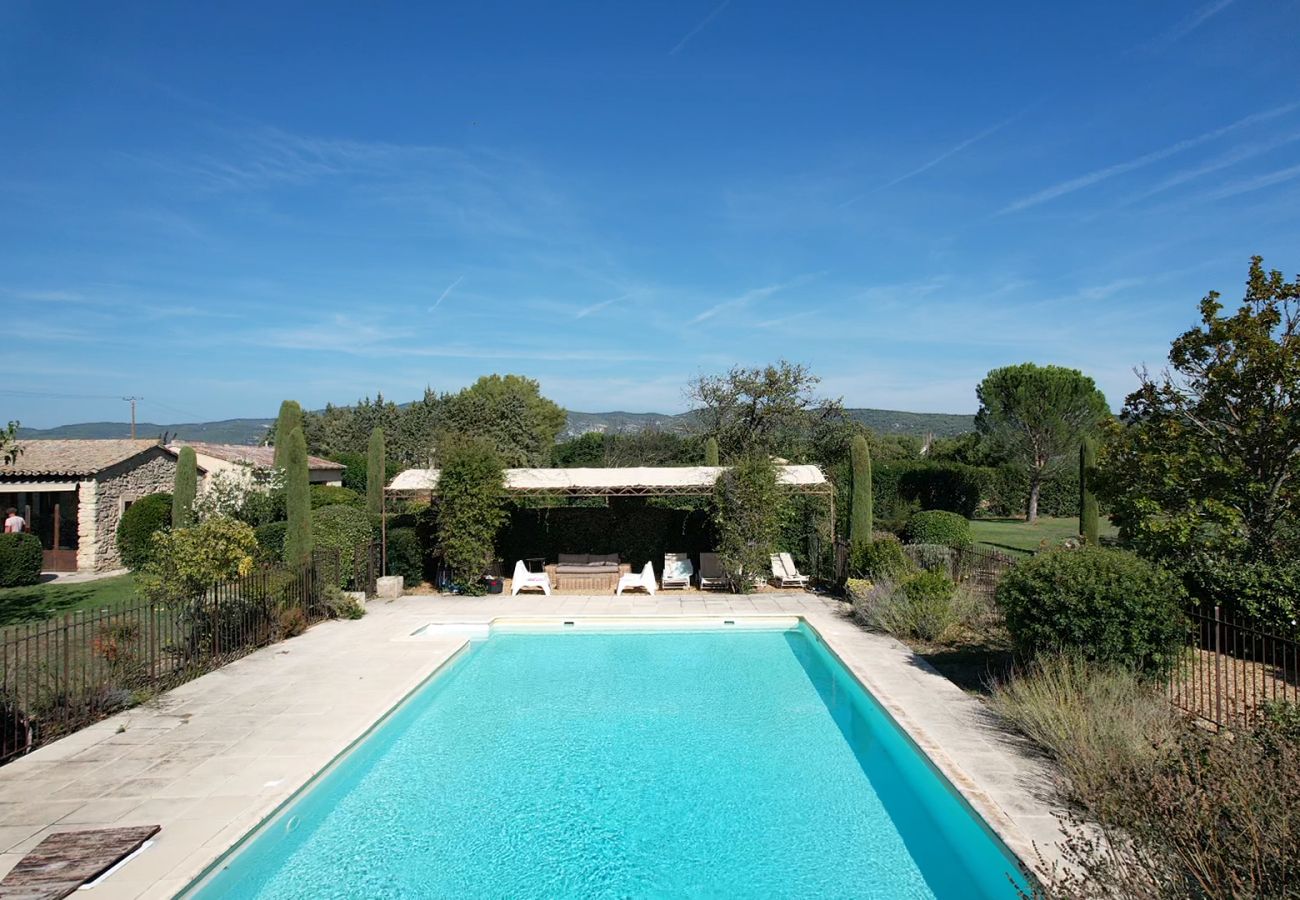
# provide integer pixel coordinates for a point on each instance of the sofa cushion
(608, 559)
(574, 559)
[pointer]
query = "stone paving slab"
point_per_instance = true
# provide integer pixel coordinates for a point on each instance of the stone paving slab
(213, 758)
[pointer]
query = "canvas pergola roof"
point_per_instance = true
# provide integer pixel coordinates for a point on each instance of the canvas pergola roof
(641, 481)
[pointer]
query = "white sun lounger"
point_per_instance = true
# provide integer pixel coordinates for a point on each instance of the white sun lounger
(677, 571)
(526, 579)
(785, 573)
(645, 580)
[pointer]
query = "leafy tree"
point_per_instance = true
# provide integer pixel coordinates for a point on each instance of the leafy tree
(375, 473)
(860, 524)
(1036, 416)
(510, 412)
(185, 488)
(1089, 526)
(297, 540)
(768, 410)
(647, 447)
(9, 449)
(711, 452)
(471, 509)
(587, 450)
(1204, 469)
(290, 417)
(747, 508)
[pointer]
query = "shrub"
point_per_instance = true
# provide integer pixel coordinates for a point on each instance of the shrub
(882, 557)
(471, 491)
(1107, 605)
(332, 495)
(141, 520)
(345, 529)
(21, 558)
(292, 621)
(341, 605)
(902, 487)
(188, 561)
(747, 507)
(270, 540)
(935, 526)
(933, 558)
(405, 555)
(924, 605)
(1094, 719)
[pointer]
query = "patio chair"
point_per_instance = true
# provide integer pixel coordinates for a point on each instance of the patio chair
(645, 579)
(526, 579)
(677, 571)
(711, 574)
(785, 573)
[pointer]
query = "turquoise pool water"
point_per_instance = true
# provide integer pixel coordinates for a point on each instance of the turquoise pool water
(579, 764)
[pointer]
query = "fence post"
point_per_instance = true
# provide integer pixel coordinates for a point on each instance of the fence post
(1218, 667)
(216, 621)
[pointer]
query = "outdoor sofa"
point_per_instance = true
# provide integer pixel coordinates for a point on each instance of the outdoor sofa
(594, 572)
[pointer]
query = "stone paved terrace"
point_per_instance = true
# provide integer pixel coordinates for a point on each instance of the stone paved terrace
(213, 758)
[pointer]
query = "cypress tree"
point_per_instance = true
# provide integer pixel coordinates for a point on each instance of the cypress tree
(1089, 527)
(861, 515)
(290, 418)
(376, 466)
(185, 488)
(711, 452)
(297, 499)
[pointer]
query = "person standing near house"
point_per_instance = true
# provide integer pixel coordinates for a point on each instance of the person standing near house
(14, 523)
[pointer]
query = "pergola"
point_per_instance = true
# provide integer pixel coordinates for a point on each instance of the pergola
(638, 481)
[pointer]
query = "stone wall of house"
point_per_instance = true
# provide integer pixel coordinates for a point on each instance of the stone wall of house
(101, 508)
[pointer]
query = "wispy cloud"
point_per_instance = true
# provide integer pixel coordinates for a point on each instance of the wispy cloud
(597, 307)
(947, 154)
(1084, 181)
(745, 299)
(48, 296)
(1188, 25)
(698, 28)
(1231, 158)
(445, 291)
(1246, 185)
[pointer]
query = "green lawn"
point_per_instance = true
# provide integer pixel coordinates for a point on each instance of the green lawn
(1017, 534)
(43, 601)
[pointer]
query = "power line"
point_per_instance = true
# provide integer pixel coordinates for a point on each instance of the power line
(57, 396)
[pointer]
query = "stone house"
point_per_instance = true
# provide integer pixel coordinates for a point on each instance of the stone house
(73, 493)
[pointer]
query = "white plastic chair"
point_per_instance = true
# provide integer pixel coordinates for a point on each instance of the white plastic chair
(645, 579)
(526, 579)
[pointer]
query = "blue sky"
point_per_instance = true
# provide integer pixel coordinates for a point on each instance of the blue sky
(215, 210)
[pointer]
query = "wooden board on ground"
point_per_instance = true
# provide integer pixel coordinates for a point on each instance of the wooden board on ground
(63, 862)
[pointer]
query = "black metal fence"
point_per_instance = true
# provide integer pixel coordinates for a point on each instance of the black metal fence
(63, 674)
(1233, 667)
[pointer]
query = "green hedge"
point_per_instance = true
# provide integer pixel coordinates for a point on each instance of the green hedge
(936, 526)
(1103, 604)
(405, 555)
(345, 529)
(331, 495)
(21, 558)
(270, 540)
(1005, 490)
(628, 526)
(136, 529)
(902, 488)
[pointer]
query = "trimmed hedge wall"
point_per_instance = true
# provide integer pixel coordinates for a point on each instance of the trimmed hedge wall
(20, 559)
(405, 555)
(634, 529)
(137, 526)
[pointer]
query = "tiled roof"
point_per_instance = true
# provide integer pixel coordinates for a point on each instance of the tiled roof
(72, 457)
(260, 457)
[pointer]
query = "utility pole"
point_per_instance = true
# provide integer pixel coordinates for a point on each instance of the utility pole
(132, 400)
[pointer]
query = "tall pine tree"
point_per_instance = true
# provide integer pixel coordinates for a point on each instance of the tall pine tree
(290, 418)
(297, 499)
(376, 469)
(861, 517)
(185, 488)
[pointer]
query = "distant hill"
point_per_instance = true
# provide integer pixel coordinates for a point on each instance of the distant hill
(229, 431)
(251, 431)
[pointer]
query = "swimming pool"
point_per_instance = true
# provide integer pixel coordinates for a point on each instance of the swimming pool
(596, 764)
